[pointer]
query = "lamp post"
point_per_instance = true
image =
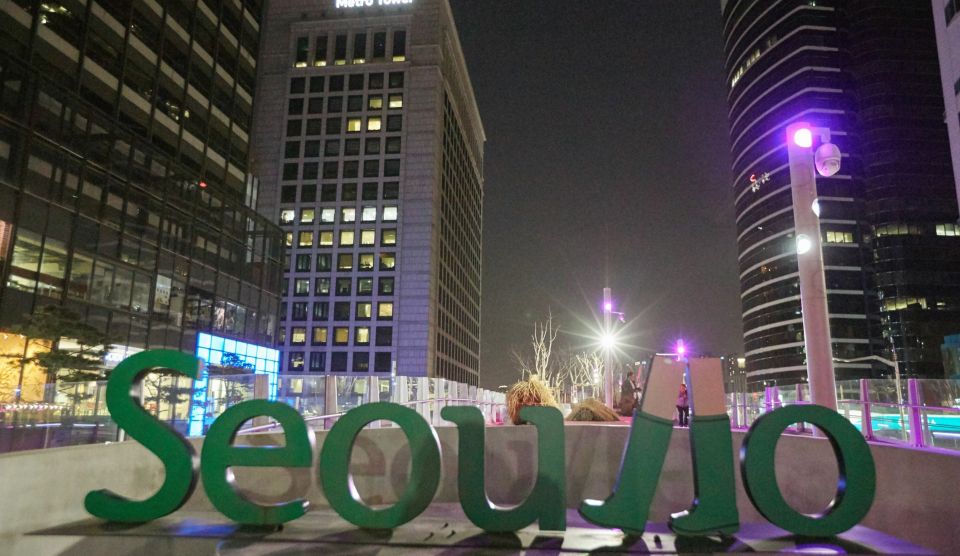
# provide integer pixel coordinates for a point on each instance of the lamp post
(813, 290)
(896, 373)
(607, 347)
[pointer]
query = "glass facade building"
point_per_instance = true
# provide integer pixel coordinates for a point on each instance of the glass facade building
(868, 71)
(370, 147)
(125, 191)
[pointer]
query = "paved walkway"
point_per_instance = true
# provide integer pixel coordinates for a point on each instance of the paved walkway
(441, 530)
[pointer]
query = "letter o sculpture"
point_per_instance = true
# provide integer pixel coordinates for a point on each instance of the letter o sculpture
(857, 482)
(424, 466)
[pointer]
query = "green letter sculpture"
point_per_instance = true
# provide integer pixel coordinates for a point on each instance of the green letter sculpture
(424, 466)
(547, 502)
(711, 448)
(178, 456)
(857, 484)
(629, 505)
(219, 455)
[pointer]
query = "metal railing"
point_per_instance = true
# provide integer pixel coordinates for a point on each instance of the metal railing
(929, 416)
(66, 414)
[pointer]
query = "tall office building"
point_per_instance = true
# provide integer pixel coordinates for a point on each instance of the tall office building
(370, 147)
(124, 185)
(867, 69)
(945, 20)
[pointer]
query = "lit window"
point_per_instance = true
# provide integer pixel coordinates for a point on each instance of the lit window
(348, 215)
(301, 286)
(303, 45)
(374, 123)
(341, 336)
(388, 237)
(369, 214)
(326, 239)
(365, 262)
(839, 237)
(388, 261)
(361, 336)
(327, 216)
(396, 101)
(319, 336)
(345, 261)
(354, 124)
(390, 214)
(364, 310)
(288, 239)
(296, 361)
(322, 286)
(375, 102)
(305, 239)
(365, 286)
(948, 230)
(346, 237)
(298, 336)
(286, 216)
(307, 216)
(385, 311)
(368, 237)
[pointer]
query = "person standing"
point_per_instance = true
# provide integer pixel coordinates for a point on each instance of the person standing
(683, 406)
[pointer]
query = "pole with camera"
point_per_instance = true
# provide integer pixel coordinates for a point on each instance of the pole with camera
(804, 164)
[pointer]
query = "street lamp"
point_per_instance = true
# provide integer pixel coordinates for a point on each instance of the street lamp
(896, 374)
(804, 165)
(608, 342)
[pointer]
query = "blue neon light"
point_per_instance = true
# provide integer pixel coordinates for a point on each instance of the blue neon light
(211, 349)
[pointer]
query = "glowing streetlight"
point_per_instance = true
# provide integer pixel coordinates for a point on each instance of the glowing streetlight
(804, 166)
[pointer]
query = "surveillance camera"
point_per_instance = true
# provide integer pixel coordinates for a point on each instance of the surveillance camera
(827, 159)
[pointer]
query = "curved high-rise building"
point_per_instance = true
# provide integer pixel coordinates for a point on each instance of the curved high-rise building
(868, 71)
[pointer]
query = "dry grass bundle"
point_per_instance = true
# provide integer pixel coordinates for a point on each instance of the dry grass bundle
(592, 410)
(528, 392)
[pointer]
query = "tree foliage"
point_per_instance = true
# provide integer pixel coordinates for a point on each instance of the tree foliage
(46, 328)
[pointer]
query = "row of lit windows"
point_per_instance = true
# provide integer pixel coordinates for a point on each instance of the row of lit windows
(900, 229)
(348, 215)
(355, 103)
(341, 311)
(320, 336)
(338, 362)
(334, 125)
(839, 237)
(351, 147)
(328, 215)
(328, 192)
(366, 46)
(344, 287)
(348, 238)
(365, 263)
(353, 82)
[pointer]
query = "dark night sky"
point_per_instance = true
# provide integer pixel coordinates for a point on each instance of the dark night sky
(606, 163)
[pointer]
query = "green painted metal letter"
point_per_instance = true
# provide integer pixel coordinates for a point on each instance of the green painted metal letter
(219, 455)
(547, 502)
(858, 478)
(178, 456)
(424, 467)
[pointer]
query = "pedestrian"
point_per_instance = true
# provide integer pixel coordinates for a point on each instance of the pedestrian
(628, 397)
(683, 406)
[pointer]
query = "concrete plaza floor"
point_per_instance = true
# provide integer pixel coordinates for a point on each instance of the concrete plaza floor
(441, 530)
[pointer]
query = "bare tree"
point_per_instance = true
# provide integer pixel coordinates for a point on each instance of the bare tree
(540, 360)
(582, 371)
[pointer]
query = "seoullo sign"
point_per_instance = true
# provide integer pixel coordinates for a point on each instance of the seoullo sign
(713, 510)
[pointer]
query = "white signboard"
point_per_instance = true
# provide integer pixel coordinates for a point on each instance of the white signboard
(370, 3)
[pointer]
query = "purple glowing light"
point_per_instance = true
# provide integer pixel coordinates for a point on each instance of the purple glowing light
(803, 138)
(608, 307)
(681, 348)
